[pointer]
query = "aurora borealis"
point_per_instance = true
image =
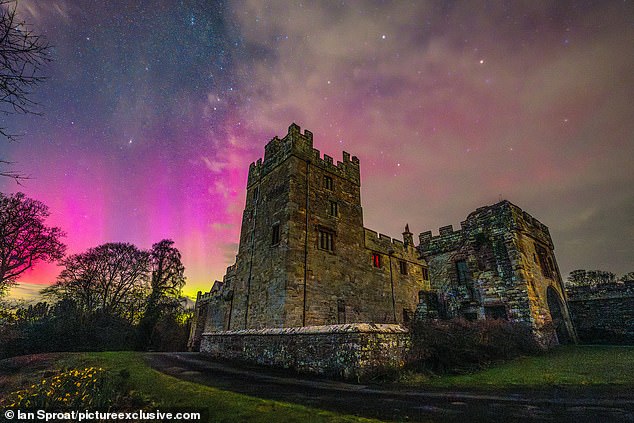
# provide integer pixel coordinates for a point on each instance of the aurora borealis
(153, 111)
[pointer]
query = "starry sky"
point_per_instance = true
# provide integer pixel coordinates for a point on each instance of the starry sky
(153, 110)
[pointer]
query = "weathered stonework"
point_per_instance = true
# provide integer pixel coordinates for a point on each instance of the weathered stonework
(304, 257)
(603, 314)
(351, 351)
(500, 264)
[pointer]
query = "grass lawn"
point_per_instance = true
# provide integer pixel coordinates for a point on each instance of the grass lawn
(166, 391)
(569, 366)
(575, 367)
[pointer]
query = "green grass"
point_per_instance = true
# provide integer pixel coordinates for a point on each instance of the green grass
(161, 390)
(569, 366)
(574, 367)
(167, 391)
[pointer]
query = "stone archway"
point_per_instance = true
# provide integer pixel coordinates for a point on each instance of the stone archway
(555, 305)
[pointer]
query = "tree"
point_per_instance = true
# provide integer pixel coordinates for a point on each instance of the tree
(22, 56)
(111, 279)
(24, 238)
(167, 280)
(592, 278)
(628, 277)
(577, 278)
(168, 272)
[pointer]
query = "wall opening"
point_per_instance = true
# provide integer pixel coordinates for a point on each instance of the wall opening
(555, 305)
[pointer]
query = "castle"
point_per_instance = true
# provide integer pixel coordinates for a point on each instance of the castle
(306, 260)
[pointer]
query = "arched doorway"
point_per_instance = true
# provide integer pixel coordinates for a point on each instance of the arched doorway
(555, 306)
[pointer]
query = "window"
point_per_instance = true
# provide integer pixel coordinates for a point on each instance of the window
(551, 265)
(463, 272)
(275, 238)
(403, 267)
(326, 240)
(328, 182)
(334, 209)
(376, 260)
(543, 257)
(341, 312)
(425, 273)
(256, 194)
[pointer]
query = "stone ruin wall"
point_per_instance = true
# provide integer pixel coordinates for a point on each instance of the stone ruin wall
(603, 314)
(498, 243)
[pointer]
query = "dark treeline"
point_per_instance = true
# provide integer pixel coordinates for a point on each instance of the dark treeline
(595, 278)
(111, 297)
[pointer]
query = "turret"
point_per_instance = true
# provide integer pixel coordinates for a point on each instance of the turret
(408, 237)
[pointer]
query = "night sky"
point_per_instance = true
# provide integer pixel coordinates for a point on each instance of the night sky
(153, 111)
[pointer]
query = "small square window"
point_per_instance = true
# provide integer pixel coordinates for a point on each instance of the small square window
(376, 260)
(328, 182)
(326, 240)
(403, 267)
(334, 209)
(275, 238)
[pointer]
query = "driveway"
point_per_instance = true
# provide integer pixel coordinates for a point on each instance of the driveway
(556, 405)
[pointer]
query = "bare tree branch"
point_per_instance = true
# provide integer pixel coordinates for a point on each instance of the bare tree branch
(22, 57)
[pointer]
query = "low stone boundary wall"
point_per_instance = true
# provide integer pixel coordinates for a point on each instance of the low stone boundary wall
(604, 320)
(352, 351)
(603, 314)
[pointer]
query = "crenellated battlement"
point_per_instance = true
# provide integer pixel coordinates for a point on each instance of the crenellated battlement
(300, 145)
(205, 297)
(503, 215)
(386, 245)
(447, 238)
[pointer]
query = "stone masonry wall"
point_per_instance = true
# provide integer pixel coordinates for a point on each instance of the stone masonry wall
(603, 314)
(498, 245)
(350, 351)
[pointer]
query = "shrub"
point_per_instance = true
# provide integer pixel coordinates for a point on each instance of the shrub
(458, 345)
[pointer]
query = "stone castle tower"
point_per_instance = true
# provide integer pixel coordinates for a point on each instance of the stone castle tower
(304, 257)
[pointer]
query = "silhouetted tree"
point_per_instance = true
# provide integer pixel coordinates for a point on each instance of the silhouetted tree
(581, 277)
(111, 279)
(22, 55)
(628, 277)
(24, 238)
(167, 280)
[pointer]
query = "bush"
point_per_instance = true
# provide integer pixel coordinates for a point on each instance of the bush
(458, 345)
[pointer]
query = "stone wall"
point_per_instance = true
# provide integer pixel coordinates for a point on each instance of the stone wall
(603, 314)
(508, 271)
(350, 351)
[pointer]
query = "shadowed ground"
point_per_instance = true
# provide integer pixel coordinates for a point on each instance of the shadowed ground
(596, 404)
